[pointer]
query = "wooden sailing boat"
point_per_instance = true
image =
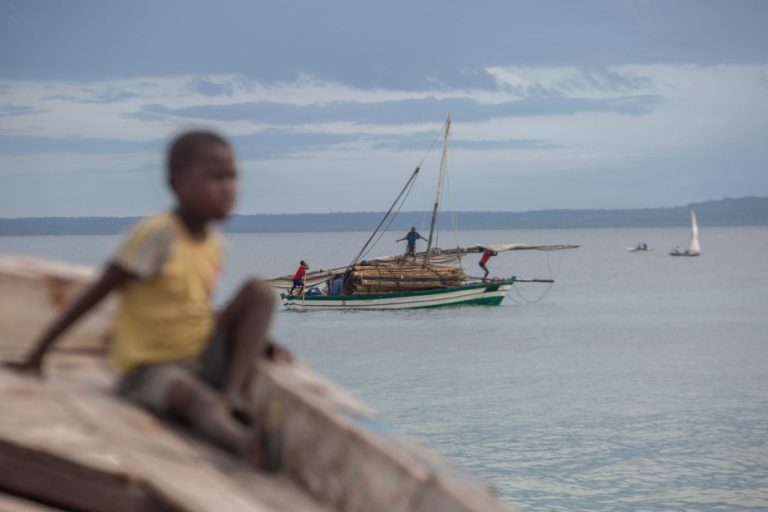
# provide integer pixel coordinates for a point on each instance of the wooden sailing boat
(694, 248)
(428, 279)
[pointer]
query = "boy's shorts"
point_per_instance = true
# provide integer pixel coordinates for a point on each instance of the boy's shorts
(298, 282)
(149, 385)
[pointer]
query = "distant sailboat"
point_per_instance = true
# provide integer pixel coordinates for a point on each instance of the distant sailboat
(694, 249)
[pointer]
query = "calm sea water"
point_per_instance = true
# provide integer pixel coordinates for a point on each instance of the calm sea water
(638, 382)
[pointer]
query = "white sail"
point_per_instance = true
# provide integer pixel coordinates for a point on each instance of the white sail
(694, 247)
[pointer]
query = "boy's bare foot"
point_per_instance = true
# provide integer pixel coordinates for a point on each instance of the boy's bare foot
(32, 367)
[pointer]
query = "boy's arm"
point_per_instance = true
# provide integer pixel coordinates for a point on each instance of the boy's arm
(112, 277)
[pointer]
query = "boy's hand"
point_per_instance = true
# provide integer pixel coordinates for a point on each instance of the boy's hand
(32, 366)
(278, 353)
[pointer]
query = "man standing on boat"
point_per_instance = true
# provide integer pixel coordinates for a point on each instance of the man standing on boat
(412, 237)
(298, 277)
(487, 254)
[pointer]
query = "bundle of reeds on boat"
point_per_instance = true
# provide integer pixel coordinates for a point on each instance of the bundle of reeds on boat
(401, 278)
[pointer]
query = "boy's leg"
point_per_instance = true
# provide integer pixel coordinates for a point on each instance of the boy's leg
(208, 413)
(245, 323)
(174, 389)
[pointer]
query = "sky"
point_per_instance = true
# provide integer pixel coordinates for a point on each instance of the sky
(330, 105)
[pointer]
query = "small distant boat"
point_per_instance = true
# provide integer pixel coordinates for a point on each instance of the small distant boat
(641, 247)
(694, 248)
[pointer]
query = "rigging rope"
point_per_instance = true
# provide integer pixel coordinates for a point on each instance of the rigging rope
(403, 195)
(386, 228)
(549, 286)
(451, 207)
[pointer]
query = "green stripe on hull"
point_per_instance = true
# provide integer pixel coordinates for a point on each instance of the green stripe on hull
(490, 287)
(487, 301)
(484, 294)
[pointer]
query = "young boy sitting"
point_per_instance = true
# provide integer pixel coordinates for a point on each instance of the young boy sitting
(176, 356)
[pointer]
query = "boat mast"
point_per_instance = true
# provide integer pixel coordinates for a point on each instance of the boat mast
(440, 181)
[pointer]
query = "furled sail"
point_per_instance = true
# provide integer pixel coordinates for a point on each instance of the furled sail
(446, 256)
(694, 247)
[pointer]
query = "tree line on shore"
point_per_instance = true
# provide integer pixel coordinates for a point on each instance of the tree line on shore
(745, 211)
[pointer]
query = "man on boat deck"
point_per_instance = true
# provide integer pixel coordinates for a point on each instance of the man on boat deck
(177, 356)
(337, 286)
(487, 254)
(412, 236)
(298, 277)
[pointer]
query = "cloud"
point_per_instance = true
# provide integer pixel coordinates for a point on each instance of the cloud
(406, 111)
(282, 143)
(208, 87)
(31, 145)
(268, 144)
(570, 81)
(419, 142)
(536, 123)
(105, 96)
(18, 110)
(394, 44)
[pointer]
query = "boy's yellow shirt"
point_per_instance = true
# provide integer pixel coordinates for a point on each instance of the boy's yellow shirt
(166, 314)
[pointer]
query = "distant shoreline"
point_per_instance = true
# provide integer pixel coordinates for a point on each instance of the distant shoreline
(745, 211)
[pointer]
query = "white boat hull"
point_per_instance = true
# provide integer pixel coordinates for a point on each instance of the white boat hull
(482, 294)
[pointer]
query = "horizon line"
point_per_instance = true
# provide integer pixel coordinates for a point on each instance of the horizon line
(689, 205)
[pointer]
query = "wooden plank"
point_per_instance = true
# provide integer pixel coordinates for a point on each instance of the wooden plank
(81, 447)
(44, 476)
(34, 292)
(351, 459)
(10, 503)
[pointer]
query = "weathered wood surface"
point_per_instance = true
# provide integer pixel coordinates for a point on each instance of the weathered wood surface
(323, 442)
(10, 503)
(33, 292)
(68, 441)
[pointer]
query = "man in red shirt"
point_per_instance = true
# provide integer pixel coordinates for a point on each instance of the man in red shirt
(487, 254)
(298, 277)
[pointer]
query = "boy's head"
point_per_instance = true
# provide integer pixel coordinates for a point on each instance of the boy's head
(202, 174)
(413, 228)
(302, 263)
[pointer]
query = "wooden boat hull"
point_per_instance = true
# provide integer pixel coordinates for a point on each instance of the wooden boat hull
(70, 442)
(486, 294)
